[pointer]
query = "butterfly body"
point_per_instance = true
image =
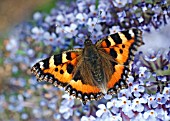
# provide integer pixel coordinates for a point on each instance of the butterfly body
(94, 66)
(89, 73)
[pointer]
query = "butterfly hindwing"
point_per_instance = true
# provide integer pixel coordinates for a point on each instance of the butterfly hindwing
(83, 91)
(82, 87)
(118, 79)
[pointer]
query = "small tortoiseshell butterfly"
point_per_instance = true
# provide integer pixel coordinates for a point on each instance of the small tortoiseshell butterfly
(97, 69)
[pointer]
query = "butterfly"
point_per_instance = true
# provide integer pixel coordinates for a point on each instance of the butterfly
(97, 69)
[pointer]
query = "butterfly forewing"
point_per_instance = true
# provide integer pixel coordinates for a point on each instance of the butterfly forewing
(121, 47)
(57, 69)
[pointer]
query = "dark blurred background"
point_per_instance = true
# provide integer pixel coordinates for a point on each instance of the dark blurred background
(13, 12)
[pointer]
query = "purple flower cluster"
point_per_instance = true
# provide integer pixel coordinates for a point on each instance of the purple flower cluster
(65, 27)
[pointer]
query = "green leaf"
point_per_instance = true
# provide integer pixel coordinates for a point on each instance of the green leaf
(47, 7)
(20, 52)
(1, 61)
(96, 4)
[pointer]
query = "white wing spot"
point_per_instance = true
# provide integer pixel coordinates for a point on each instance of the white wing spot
(111, 41)
(51, 62)
(122, 36)
(64, 55)
(41, 65)
(131, 33)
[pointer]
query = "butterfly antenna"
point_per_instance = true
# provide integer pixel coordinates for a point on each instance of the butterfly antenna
(99, 15)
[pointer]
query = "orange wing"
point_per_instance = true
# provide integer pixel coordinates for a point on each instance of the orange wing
(59, 70)
(121, 47)
(118, 79)
(84, 91)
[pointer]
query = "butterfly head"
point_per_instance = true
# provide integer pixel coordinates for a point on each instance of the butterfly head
(88, 42)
